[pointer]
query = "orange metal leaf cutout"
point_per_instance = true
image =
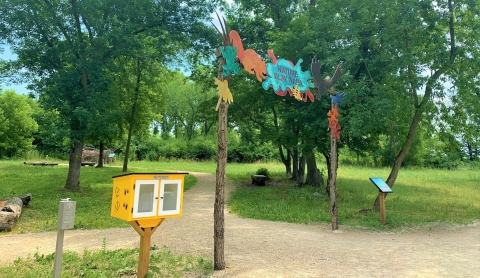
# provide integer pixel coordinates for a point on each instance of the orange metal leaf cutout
(250, 60)
(223, 92)
(333, 124)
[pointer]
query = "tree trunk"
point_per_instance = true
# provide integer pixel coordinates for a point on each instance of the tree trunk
(287, 161)
(401, 156)
(101, 159)
(10, 213)
(295, 164)
(75, 161)
(132, 117)
(314, 177)
(218, 209)
(470, 152)
(329, 172)
(332, 183)
(219, 218)
(74, 165)
(301, 171)
(175, 127)
(420, 105)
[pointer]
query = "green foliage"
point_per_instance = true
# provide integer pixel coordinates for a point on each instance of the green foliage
(17, 123)
(190, 112)
(155, 148)
(45, 184)
(202, 149)
(384, 65)
(174, 149)
(263, 171)
(108, 263)
(247, 146)
(86, 45)
(51, 134)
(248, 153)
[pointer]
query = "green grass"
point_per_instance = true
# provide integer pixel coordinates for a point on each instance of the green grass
(46, 183)
(106, 263)
(421, 197)
(235, 171)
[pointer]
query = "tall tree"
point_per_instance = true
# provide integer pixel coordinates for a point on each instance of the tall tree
(68, 49)
(422, 25)
(188, 111)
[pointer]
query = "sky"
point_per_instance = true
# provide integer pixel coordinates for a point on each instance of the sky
(8, 55)
(22, 88)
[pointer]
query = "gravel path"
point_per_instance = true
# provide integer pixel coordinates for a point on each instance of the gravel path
(256, 248)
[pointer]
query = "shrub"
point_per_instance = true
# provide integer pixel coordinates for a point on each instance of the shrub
(263, 171)
(202, 149)
(247, 153)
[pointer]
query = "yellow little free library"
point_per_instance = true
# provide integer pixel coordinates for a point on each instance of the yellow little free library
(147, 197)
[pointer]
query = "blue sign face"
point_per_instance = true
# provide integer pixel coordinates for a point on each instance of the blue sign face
(283, 75)
(381, 185)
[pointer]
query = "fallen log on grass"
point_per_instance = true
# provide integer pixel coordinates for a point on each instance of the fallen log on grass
(10, 211)
(41, 163)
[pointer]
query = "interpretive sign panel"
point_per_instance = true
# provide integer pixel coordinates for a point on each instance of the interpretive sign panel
(381, 185)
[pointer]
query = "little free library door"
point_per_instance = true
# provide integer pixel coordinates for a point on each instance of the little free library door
(156, 199)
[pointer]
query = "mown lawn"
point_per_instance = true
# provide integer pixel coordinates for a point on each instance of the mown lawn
(421, 196)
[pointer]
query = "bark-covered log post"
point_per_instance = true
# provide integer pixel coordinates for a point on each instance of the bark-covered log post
(322, 87)
(335, 128)
(332, 184)
(225, 97)
(219, 218)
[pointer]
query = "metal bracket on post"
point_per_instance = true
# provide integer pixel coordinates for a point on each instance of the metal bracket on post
(66, 219)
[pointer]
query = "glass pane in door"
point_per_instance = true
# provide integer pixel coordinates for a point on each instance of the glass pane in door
(170, 196)
(146, 198)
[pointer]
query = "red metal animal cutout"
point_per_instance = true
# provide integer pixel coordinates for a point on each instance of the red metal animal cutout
(333, 124)
(249, 58)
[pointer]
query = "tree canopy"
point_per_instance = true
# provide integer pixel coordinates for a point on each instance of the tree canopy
(17, 123)
(68, 50)
(410, 74)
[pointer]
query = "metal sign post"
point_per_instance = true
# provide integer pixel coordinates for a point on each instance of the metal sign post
(66, 219)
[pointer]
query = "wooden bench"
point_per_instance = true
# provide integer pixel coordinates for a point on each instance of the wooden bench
(259, 180)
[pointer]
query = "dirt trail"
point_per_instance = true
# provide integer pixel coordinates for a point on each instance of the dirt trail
(256, 248)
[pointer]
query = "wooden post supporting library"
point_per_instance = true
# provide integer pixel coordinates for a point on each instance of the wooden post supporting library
(382, 208)
(144, 253)
(145, 200)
